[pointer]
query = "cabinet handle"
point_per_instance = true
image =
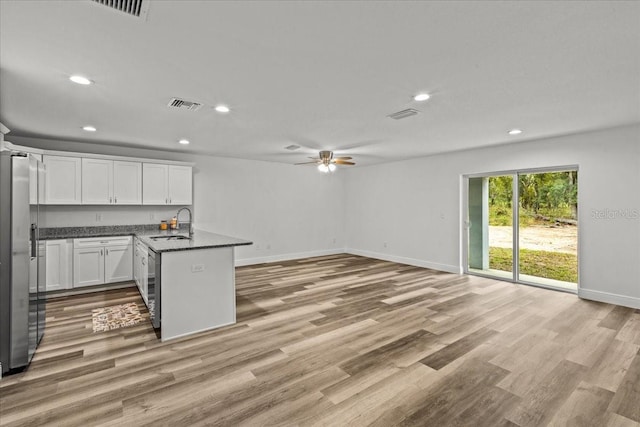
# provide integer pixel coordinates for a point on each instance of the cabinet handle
(115, 200)
(101, 253)
(110, 199)
(107, 250)
(166, 201)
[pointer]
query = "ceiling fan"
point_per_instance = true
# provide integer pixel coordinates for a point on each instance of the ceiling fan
(327, 163)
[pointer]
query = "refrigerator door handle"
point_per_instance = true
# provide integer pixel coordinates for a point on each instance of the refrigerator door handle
(34, 242)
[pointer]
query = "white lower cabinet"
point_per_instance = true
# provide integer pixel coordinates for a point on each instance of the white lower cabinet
(118, 263)
(88, 266)
(102, 260)
(58, 264)
(140, 272)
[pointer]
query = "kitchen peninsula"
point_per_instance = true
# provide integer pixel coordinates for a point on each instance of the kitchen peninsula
(187, 282)
(191, 284)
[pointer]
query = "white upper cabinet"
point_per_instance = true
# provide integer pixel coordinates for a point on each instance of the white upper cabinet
(97, 182)
(127, 183)
(109, 182)
(166, 184)
(63, 180)
(155, 182)
(180, 185)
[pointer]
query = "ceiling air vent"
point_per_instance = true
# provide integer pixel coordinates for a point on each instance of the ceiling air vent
(137, 8)
(184, 105)
(403, 114)
(292, 147)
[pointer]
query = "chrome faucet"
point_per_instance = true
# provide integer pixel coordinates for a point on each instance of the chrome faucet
(190, 220)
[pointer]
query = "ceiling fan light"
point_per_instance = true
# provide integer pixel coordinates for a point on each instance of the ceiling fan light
(81, 80)
(323, 168)
(331, 167)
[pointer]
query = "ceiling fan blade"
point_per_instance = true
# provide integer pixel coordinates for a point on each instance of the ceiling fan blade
(305, 163)
(343, 162)
(343, 158)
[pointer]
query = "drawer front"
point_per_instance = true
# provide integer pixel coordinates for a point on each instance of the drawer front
(102, 241)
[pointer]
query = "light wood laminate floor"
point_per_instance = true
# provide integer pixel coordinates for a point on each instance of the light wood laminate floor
(343, 340)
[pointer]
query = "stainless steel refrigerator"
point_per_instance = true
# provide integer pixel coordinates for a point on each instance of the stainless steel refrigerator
(22, 284)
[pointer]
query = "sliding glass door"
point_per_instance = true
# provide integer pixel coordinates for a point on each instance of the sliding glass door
(523, 226)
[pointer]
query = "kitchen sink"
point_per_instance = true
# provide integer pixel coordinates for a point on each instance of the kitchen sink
(177, 237)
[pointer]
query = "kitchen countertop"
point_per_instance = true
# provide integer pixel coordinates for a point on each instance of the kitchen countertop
(53, 233)
(201, 239)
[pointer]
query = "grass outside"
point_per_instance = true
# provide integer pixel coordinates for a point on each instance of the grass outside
(550, 265)
(503, 215)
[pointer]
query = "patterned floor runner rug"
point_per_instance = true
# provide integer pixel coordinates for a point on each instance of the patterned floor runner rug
(116, 316)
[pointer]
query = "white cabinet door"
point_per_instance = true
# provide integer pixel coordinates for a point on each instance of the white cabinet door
(62, 180)
(127, 183)
(144, 276)
(136, 265)
(118, 262)
(155, 178)
(88, 266)
(58, 264)
(97, 182)
(180, 185)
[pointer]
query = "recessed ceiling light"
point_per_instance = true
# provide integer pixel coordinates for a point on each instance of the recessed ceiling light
(222, 109)
(184, 141)
(421, 97)
(89, 128)
(515, 132)
(81, 80)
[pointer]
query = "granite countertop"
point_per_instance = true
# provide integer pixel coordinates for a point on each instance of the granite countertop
(53, 233)
(201, 240)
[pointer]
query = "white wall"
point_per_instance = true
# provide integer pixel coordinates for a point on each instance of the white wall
(90, 216)
(288, 211)
(415, 206)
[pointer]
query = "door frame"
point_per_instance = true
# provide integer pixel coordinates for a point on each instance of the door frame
(464, 224)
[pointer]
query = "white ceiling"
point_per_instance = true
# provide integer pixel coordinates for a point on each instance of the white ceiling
(319, 74)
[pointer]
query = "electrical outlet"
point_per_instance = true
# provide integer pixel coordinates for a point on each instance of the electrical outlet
(152, 217)
(98, 217)
(334, 241)
(257, 246)
(268, 246)
(197, 268)
(384, 245)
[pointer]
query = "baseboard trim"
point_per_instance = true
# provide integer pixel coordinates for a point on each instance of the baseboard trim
(609, 298)
(61, 293)
(287, 257)
(403, 260)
